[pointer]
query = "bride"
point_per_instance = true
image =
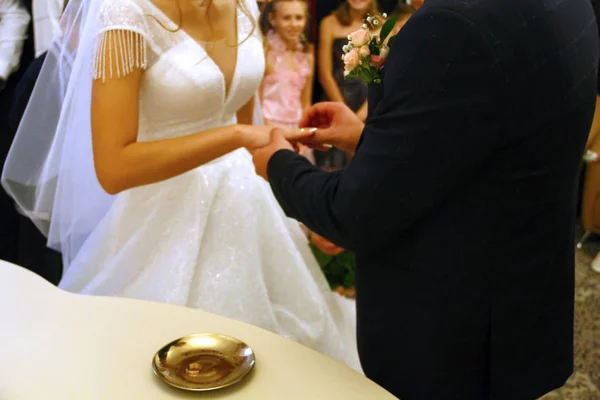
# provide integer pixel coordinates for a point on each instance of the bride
(157, 198)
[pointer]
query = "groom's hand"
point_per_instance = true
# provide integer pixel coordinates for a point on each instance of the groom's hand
(336, 124)
(261, 156)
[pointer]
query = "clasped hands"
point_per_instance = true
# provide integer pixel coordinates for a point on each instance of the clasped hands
(324, 125)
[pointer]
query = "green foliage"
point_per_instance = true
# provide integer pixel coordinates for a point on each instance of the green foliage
(374, 46)
(339, 270)
(387, 28)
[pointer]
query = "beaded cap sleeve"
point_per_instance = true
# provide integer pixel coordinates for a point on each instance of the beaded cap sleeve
(123, 41)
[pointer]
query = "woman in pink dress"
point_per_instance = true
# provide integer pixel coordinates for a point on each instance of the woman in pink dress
(287, 87)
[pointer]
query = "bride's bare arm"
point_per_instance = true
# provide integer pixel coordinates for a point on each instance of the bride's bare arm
(122, 162)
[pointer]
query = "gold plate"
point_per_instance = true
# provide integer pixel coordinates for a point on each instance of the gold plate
(205, 361)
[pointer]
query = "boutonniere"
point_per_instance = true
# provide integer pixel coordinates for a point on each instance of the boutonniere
(366, 51)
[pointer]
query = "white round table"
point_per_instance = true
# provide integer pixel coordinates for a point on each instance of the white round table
(63, 346)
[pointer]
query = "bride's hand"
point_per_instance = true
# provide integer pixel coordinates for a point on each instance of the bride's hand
(296, 135)
(257, 136)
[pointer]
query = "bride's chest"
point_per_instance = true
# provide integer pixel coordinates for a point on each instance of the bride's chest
(184, 84)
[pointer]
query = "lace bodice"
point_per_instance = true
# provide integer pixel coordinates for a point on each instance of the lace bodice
(183, 91)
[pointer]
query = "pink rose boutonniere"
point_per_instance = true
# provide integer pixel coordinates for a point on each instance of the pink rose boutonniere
(366, 52)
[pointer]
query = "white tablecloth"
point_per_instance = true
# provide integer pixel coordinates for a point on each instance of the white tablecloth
(63, 346)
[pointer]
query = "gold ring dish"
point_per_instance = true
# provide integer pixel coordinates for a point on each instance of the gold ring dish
(203, 362)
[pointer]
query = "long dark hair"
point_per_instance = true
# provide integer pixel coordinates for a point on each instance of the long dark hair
(342, 13)
(403, 10)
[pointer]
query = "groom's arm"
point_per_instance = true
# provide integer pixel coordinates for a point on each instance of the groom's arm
(436, 124)
(311, 196)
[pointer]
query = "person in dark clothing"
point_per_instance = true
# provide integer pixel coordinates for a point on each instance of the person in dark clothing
(22, 93)
(459, 201)
(9, 225)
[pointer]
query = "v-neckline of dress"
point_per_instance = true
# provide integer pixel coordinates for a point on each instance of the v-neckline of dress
(227, 89)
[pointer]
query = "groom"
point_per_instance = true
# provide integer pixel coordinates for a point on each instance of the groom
(460, 198)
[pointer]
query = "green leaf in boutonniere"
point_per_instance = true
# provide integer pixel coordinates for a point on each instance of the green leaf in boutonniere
(374, 46)
(387, 28)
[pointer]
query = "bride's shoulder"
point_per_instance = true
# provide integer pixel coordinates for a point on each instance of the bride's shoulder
(123, 13)
(118, 7)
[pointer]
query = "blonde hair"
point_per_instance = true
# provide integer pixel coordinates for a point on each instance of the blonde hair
(271, 8)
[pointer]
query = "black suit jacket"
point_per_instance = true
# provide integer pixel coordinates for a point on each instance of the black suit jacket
(596, 7)
(460, 200)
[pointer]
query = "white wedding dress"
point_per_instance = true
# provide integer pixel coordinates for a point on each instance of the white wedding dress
(213, 238)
